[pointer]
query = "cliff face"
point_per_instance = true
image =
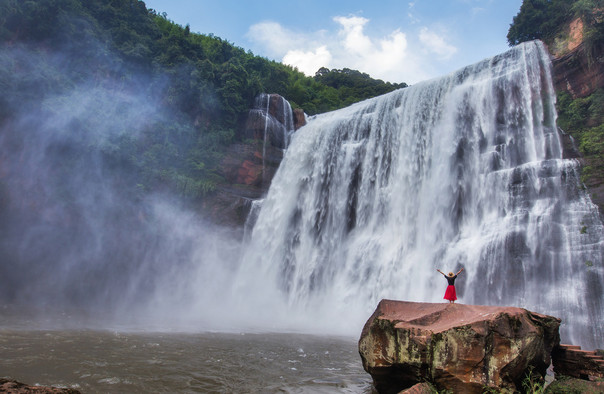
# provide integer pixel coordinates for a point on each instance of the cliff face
(575, 68)
(578, 65)
(575, 73)
(250, 165)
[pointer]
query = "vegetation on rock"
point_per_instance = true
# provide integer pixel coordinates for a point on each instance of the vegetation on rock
(583, 118)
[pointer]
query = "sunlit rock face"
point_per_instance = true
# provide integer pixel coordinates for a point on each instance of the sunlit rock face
(467, 171)
(462, 348)
(575, 70)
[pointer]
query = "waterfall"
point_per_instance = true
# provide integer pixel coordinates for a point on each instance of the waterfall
(460, 171)
(277, 119)
(270, 120)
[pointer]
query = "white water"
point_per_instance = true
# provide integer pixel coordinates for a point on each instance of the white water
(461, 171)
(278, 123)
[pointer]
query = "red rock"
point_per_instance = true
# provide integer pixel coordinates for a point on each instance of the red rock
(577, 68)
(463, 348)
(249, 173)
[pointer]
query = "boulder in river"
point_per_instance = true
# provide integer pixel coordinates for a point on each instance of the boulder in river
(463, 348)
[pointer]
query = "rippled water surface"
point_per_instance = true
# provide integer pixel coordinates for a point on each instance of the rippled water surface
(115, 362)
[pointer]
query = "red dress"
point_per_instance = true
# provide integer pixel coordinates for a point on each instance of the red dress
(450, 293)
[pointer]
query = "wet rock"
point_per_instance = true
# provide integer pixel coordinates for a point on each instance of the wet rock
(463, 348)
(299, 118)
(14, 387)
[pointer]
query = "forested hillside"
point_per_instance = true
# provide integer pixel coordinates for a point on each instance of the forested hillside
(198, 87)
(574, 33)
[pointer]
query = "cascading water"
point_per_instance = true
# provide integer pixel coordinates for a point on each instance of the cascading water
(461, 171)
(271, 120)
(277, 116)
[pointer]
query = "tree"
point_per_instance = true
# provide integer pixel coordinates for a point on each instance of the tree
(539, 19)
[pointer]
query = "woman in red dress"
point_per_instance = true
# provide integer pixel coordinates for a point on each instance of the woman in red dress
(450, 294)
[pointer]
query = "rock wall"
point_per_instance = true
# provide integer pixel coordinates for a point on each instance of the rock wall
(250, 165)
(578, 68)
(577, 73)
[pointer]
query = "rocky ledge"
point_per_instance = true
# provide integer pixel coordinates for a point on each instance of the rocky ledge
(462, 348)
(14, 387)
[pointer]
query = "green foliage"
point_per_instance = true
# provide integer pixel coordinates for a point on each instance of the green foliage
(592, 141)
(352, 85)
(539, 19)
(533, 383)
(583, 119)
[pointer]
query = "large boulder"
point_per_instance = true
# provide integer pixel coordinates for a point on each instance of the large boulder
(463, 348)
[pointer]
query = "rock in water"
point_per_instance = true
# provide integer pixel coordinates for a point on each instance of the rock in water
(14, 387)
(463, 348)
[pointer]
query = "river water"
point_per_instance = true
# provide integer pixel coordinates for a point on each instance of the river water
(154, 362)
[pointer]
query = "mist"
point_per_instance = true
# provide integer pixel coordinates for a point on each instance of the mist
(79, 236)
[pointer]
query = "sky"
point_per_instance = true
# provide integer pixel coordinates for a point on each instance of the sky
(396, 41)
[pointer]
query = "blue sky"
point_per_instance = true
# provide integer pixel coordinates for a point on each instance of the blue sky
(397, 41)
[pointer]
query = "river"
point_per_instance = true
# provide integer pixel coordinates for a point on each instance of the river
(94, 361)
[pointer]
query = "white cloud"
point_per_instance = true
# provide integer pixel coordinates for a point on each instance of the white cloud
(436, 44)
(353, 38)
(278, 39)
(393, 57)
(308, 62)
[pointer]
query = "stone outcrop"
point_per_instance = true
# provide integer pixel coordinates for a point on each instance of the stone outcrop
(299, 118)
(249, 166)
(14, 387)
(570, 360)
(463, 348)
